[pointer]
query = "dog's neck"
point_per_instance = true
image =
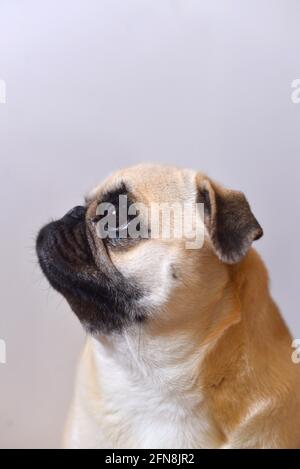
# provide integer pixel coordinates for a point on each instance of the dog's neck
(168, 353)
(158, 362)
(155, 382)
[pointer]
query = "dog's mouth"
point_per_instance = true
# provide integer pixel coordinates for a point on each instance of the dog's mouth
(100, 296)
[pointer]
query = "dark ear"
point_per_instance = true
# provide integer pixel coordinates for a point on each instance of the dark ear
(231, 225)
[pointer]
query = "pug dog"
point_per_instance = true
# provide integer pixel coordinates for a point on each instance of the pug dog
(185, 347)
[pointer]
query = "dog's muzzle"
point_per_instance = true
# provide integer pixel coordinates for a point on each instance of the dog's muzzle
(102, 298)
(65, 240)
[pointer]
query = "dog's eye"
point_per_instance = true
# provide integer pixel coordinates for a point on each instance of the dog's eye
(113, 220)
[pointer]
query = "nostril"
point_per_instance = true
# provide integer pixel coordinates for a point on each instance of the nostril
(76, 212)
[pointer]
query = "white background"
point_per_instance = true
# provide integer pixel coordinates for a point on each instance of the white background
(96, 85)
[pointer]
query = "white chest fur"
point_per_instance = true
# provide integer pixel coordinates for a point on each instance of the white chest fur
(121, 403)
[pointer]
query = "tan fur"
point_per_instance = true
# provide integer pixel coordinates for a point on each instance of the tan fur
(217, 349)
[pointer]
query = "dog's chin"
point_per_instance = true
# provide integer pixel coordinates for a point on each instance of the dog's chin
(103, 304)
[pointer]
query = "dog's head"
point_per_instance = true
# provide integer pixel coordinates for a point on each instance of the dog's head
(114, 276)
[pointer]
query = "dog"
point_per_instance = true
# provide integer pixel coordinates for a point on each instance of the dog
(185, 347)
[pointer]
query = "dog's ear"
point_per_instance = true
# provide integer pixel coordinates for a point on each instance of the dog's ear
(231, 225)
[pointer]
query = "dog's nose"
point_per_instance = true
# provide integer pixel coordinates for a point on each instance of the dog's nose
(76, 213)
